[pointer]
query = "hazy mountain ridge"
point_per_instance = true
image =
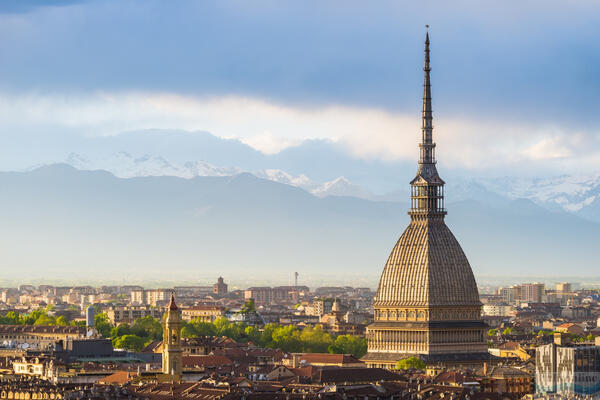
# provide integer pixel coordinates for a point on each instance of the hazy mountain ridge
(91, 223)
(313, 165)
(125, 165)
(573, 193)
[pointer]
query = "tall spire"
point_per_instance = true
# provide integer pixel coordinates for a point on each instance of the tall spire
(427, 145)
(427, 193)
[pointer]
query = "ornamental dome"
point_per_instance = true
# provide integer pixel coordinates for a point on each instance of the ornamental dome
(427, 267)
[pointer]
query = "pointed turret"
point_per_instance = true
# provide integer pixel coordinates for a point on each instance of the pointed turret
(172, 305)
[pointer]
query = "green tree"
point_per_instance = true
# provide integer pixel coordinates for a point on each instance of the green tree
(348, 344)
(102, 324)
(315, 339)
(129, 342)
(45, 320)
(224, 327)
(204, 328)
(286, 338)
(507, 331)
(147, 327)
(253, 334)
(121, 330)
(411, 362)
(12, 318)
(266, 336)
(221, 325)
(590, 337)
(61, 321)
(29, 319)
(188, 330)
(248, 307)
(492, 332)
(81, 324)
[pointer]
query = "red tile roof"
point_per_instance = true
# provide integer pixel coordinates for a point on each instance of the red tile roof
(325, 358)
(206, 361)
(118, 378)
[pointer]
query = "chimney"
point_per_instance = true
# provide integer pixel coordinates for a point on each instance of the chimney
(485, 368)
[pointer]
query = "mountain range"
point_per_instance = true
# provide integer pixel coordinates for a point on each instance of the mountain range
(321, 167)
(65, 223)
(189, 206)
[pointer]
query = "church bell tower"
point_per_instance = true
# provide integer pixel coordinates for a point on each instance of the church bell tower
(172, 351)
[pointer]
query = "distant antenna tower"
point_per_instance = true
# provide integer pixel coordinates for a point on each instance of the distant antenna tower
(296, 279)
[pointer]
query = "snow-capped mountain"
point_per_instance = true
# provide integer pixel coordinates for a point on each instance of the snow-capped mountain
(341, 187)
(568, 192)
(579, 195)
(277, 175)
(125, 165)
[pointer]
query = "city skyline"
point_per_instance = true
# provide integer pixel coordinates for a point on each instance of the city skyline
(198, 200)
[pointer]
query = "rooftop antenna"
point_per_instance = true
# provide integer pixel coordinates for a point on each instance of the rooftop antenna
(296, 279)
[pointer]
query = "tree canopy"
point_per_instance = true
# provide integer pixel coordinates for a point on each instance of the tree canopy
(290, 338)
(410, 362)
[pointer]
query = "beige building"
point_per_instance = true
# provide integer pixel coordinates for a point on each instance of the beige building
(563, 287)
(44, 368)
(524, 293)
(268, 295)
(533, 292)
(38, 337)
(128, 314)
(318, 307)
(572, 328)
(511, 295)
(150, 297)
(203, 313)
(498, 310)
(427, 303)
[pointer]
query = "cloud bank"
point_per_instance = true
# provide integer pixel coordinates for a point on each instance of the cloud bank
(515, 86)
(479, 145)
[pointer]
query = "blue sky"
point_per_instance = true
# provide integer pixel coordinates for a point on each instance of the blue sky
(514, 82)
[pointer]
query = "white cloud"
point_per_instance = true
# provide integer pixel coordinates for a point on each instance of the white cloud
(269, 127)
(560, 145)
(269, 143)
(549, 148)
